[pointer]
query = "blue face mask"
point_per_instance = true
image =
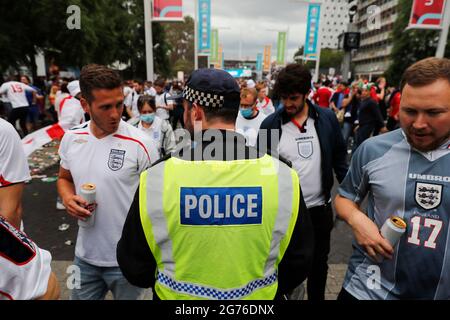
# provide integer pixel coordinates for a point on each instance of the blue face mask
(246, 113)
(148, 118)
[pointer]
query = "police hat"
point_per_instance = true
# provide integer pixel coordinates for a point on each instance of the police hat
(212, 88)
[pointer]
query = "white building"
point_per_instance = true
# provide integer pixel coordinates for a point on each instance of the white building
(334, 22)
(375, 20)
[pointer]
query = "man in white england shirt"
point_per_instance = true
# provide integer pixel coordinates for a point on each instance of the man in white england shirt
(71, 112)
(264, 103)
(249, 118)
(162, 101)
(16, 93)
(110, 154)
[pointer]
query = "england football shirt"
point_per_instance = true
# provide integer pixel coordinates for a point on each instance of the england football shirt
(25, 268)
(113, 164)
(16, 93)
(249, 128)
(13, 162)
(415, 186)
(301, 146)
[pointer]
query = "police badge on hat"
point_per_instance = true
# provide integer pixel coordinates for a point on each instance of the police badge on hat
(116, 159)
(428, 195)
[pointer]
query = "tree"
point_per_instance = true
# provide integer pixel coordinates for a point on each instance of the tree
(111, 31)
(180, 37)
(329, 58)
(410, 46)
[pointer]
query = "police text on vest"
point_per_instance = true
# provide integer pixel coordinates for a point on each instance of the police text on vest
(221, 206)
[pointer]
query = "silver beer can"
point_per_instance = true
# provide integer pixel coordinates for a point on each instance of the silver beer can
(392, 230)
(87, 192)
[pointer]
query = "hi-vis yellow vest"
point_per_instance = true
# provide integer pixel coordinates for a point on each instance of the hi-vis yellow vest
(218, 229)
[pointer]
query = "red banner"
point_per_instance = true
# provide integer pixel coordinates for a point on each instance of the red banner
(427, 14)
(167, 10)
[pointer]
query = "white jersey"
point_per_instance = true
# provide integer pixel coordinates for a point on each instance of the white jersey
(162, 100)
(131, 102)
(113, 164)
(60, 96)
(13, 162)
(71, 113)
(16, 93)
(303, 150)
(25, 268)
(265, 106)
(161, 133)
(151, 92)
(249, 128)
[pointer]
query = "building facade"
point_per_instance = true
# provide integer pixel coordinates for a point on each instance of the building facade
(375, 20)
(335, 20)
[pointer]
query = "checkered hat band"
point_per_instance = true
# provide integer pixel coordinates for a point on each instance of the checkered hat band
(214, 293)
(202, 98)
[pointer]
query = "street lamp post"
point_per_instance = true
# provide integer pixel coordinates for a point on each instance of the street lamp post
(196, 35)
(148, 39)
(444, 32)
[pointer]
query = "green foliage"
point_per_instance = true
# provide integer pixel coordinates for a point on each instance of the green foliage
(329, 58)
(111, 31)
(180, 37)
(410, 45)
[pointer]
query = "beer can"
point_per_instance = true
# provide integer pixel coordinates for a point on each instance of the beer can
(87, 192)
(392, 230)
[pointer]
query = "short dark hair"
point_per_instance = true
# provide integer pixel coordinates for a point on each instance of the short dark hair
(294, 78)
(94, 76)
(227, 115)
(146, 99)
(160, 83)
(426, 71)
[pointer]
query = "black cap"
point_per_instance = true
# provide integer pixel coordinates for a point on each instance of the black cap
(212, 88)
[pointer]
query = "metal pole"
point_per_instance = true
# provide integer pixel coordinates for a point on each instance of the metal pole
(148, 39)
(444, 32)
(196, 36)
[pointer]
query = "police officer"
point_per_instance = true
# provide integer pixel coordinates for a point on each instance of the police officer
(217, 220)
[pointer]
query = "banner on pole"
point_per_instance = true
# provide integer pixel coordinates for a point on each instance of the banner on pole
(204, 27)
(214, 45)
(219, 62)
(427, 14)
(281, 47)
(312, 31)
(267, 58)
(259, 62)
(167, 10)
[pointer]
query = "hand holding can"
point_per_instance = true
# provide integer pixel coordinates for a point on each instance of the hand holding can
(392, 230)
(88, 192)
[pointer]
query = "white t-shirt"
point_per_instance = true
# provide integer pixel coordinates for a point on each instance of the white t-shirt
(131, 102)
(126, 91)
(151, 92)
(15, 92)
(113, 164)
(71, 113)
(154, 131)
(60, 96)
(160, 102)
(265, 106)
(13, 162)
(303, 150)
(249, 128)
(25, 268)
